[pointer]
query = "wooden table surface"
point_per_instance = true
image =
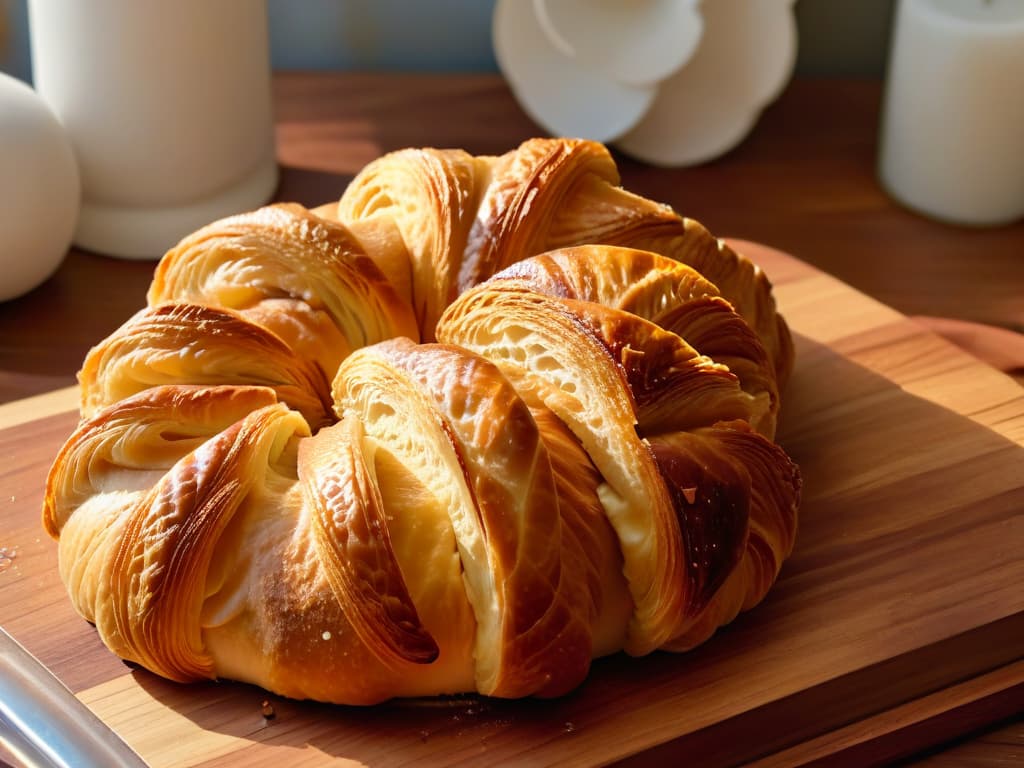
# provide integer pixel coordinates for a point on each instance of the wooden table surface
(804, 182)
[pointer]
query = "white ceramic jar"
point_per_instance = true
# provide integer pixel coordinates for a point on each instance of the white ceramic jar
(168, 108)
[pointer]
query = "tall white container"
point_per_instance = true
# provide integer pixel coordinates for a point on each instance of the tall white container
(168, 108)
(952, 143)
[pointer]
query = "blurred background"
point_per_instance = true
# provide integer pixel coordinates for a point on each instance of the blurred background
(837, 38)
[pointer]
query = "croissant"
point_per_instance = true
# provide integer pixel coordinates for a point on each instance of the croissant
(479, 422)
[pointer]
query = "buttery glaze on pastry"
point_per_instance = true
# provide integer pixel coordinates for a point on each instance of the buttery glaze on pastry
(274, 481)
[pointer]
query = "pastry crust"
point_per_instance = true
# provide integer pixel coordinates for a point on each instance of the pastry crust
(309, 280)
(275, 481)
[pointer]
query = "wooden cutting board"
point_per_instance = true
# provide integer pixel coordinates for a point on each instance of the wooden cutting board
(905, 581)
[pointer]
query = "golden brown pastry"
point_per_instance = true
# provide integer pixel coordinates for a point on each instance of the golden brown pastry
(669, 294)
(260, 264)
(196, 344)
(466, 218)
(432, 196)
(632, 393)
(274, 481)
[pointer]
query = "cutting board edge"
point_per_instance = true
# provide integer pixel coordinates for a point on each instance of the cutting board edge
(768, 729)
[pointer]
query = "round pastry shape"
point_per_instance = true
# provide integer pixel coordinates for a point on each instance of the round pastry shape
(482, 420)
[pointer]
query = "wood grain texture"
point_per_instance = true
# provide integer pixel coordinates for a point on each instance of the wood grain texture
(906, 729)
(1001, 748)
(904, 582)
